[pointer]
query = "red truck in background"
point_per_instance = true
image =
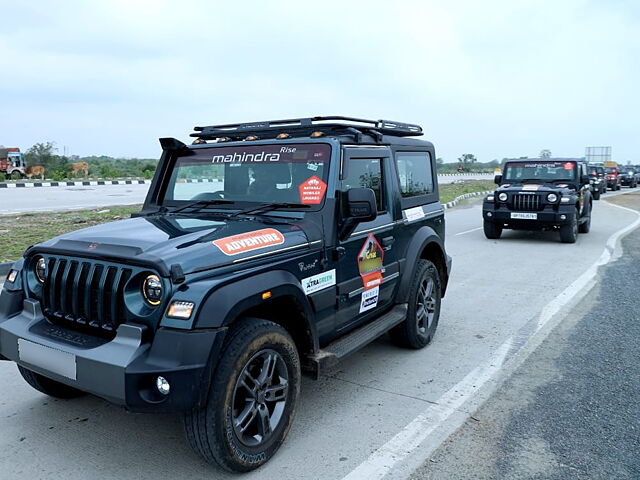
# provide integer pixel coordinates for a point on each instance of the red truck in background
(612, 175)
(12, 163)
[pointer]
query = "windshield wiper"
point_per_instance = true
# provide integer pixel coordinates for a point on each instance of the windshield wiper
(265, 207)
(201, 204)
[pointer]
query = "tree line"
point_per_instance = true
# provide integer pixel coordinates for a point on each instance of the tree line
(58, 167)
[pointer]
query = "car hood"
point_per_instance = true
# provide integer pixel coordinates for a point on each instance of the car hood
(193, 243)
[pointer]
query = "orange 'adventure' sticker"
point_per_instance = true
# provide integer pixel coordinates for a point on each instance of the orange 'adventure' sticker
(245, 242)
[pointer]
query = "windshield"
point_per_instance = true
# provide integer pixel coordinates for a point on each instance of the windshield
(287, 173)
(609, 170)
(539, 171)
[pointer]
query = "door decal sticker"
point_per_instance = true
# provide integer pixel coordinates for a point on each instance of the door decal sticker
(370, 262)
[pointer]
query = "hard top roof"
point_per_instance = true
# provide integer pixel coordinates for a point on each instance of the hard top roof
(554, 159)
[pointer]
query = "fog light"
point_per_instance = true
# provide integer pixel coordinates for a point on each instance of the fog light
(489, 214)
(563, 217)
(565, 200)
(163, 386)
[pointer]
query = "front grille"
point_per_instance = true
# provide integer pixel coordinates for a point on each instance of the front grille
(85, 294)
(526, 203)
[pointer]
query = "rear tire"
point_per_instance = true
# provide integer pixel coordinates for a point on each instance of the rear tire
(492, 230)
(418, 329)
(49, 387)
(252, 398)
(569, 232)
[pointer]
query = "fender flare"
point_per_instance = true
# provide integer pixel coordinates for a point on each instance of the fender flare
(226, 303)
(422, 239)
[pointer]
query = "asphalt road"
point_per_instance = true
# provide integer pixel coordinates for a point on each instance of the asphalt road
(382, 413)
(49, 199)
(571, 410)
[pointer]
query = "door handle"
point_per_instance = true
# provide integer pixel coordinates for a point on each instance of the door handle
(387, 242)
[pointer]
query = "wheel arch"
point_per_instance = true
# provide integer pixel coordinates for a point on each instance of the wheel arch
(425, 244)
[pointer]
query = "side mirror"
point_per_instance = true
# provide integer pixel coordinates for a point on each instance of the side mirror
(497, 179)
(361, 207)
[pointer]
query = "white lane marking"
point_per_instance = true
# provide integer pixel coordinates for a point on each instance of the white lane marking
(469, 231)
(382, 462)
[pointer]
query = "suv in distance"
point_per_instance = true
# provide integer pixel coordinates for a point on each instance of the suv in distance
(628, 176)
(597, 181)
(540, 194)
(612, 175)
(263, 250)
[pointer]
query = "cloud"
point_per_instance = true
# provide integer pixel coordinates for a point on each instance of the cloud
(496, 78)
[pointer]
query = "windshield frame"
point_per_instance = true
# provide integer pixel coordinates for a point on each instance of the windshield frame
(239, 205)
(524, 162)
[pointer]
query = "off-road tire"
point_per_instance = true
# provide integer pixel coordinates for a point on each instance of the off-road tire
(585, 226)
(210, 429)
(48, 386)
(412, 333)
(618, 187)
(569, 232)
(492, 230)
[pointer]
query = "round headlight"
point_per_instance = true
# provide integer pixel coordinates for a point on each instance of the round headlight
(152, 290)
(41, 269)
(502, 197)
(552, 198)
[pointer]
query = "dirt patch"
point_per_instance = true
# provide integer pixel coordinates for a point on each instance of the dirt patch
(21, 231)
(629, 200)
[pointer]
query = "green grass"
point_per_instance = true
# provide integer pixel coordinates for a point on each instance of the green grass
(18, 232)
(449, 191)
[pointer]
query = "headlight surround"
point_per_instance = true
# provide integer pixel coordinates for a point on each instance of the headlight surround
(40, 269)
(552, 198)
(152, 290)
(503, 197)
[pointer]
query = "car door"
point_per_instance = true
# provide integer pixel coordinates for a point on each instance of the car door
(367, 267)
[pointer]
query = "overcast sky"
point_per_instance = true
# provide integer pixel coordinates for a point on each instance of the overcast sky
(494, 78)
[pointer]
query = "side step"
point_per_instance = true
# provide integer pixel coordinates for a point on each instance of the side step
(329, 356)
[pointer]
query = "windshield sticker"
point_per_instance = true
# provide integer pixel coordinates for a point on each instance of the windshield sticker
(318, 282)
(370, 262)
(369, 299)
(530, 187)
(312, 191)
(246, 242)
(568, 166)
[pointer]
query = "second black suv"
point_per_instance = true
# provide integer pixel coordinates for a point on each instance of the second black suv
(597, 180)
(540, 193)
(628, 176)
(262, 251)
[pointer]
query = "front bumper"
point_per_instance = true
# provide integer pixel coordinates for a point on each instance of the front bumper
(544, 219)
(123, 370)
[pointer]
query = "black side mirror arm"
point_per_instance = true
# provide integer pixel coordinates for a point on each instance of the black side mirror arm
(347, 227)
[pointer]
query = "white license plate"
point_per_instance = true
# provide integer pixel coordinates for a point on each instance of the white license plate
(524, 216)
(47, 358)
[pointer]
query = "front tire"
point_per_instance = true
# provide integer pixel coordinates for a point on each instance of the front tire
(252, 398)
(47, 386)
(492, 230)
(569, 232)
(418, 329)
(596, 195)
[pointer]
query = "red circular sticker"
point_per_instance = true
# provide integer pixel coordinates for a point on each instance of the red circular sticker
(568, 166)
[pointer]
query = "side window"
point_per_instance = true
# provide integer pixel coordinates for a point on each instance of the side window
(414, 172)
(365, 173)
